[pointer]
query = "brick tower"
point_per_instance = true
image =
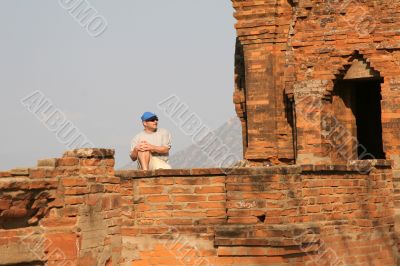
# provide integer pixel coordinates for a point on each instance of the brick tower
(318, 82)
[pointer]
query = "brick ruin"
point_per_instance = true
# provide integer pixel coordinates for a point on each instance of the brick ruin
(77, 210)
(313, 196)
(315, 78)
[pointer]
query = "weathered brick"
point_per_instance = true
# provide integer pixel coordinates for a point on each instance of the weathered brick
(216, 198)
(189, 198)
(188, 214)
(74, 200)
(151, 190)
(67, 161)
(96, 188)
(47, 163)
(210, 189)
(76, 190)
(163, 198)
(74, 181)
(19, 172)
(206, 205)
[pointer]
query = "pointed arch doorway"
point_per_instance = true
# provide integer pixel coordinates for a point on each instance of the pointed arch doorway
(356, 101)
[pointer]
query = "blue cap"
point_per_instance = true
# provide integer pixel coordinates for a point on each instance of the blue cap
(147, 116)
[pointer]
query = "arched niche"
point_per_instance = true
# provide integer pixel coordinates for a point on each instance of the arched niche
(356, 113)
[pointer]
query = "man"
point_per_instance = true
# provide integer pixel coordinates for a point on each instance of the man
(151, 146)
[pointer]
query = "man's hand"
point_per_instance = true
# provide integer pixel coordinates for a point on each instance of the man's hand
(144, 146)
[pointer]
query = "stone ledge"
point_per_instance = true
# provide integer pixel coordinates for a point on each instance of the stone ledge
(169, 172)
(209, 171)
(353, 166)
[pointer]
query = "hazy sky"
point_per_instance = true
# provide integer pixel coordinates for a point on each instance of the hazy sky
(150, 50)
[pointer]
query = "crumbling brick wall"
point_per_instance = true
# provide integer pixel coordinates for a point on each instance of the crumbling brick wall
(65, 211)
(76, 211)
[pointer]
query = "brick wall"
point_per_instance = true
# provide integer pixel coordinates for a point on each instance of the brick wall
(322, 215)
(76, 210)
(65, 211)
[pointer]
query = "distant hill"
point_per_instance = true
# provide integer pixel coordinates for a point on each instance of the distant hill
(230, 134)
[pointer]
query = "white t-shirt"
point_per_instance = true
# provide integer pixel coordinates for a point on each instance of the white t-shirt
(159, 138)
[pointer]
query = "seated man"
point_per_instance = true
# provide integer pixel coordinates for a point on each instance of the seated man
(151, 146)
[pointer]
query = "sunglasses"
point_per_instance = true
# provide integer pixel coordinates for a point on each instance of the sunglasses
(152, 119)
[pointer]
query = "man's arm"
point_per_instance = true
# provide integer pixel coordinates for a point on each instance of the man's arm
(163, 150)
(159, 149)
(134, 154)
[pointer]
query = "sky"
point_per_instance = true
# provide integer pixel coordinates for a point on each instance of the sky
(100, 73)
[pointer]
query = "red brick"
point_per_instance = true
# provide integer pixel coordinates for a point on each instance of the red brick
(145, 221)
(59, 222)
(108, 179)
(91, 162)
(168, 207)
(157, 181)
(163, 198)
(205, 205)
(212, 220)
(216, 198)
(242, 220)
(39, 173)
(112, 188)
(188, 214)
(74, 200)
(193, 181)
(154, 214)
(96, 188)
(67, 243)
(210, 189)
(260, 260)
(72, 210)
(180, 190)
(129, 231)
(182, 221)
(164, 261)
(153, 230)
(74, 181)
(94, 199)
(76, 191)
(189, 198)
(67, 161)
(151, 190)
(212, 213)
(142, 207)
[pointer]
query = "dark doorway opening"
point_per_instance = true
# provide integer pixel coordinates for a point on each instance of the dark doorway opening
(363, 97)
(368, 118)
